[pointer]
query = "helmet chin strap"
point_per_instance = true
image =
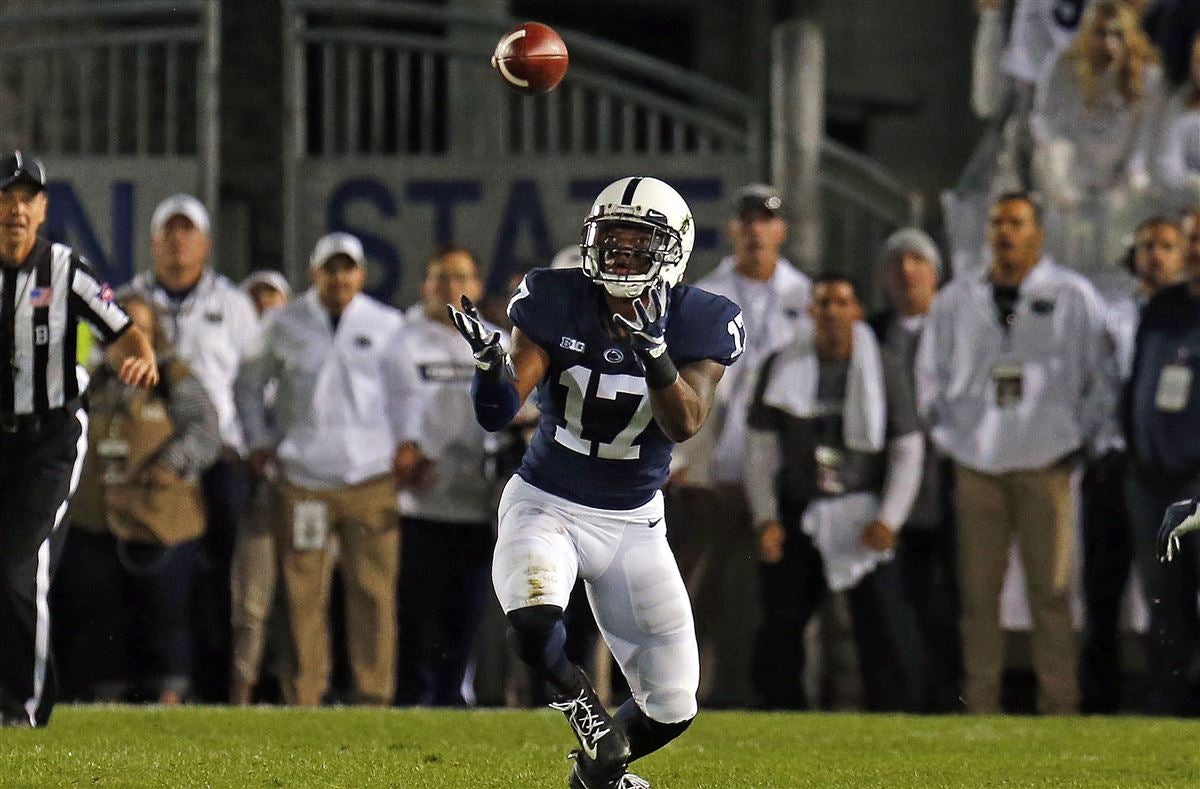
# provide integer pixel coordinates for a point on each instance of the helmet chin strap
(624, 290)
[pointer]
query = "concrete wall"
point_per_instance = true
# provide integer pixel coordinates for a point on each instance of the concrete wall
(899, 83)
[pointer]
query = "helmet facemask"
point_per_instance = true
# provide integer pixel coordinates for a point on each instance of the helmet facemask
(626, 263)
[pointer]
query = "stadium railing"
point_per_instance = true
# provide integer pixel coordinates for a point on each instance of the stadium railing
(372, 78)
(107, 79)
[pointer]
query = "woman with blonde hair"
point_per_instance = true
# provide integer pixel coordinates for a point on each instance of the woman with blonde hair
(1093, 108)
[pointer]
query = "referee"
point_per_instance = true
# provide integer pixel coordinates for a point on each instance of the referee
(44, 290)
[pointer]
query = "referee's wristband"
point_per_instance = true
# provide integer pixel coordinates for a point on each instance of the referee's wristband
(660, 370)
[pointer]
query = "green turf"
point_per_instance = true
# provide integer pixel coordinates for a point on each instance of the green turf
(269, 747)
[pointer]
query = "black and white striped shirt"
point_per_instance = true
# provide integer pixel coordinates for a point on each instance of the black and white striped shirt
(41, 303)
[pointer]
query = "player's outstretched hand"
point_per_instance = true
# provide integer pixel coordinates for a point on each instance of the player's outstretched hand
(648, 329)
(1180, 518)
(485, 344)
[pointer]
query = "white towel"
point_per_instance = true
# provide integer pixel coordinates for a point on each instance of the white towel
(836, 526)
(793, 387)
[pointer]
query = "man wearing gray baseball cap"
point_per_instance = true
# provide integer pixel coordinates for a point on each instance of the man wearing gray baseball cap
(707, 490)
(910, 270)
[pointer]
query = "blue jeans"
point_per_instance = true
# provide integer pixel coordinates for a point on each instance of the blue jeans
(441, 598)
(227, 486)
(927, 560)
(891, 657)
(124, 616)
(1107, 560)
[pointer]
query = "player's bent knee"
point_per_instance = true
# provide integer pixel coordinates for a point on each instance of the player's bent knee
(535, 632)
(671, 706)
(530, 571)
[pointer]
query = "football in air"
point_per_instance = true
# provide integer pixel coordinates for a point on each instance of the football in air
(531, 58)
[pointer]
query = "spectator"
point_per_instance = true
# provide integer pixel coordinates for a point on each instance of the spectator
(1179, 154)
(268, 289)
(910, 269)
(1162, 416)
(1157, 262)
(253, 578)
(1093, 108)
(126, 579)
(1004, 77)
(1039, 33)
(339, 411)
(706, 490)
(1013, 373)
(211, 325)
(447, 541)
(841, 421)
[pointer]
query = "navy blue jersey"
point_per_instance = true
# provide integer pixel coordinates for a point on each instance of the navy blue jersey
(597, 443)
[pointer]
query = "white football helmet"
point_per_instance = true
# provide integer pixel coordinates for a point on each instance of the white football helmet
(644, 203)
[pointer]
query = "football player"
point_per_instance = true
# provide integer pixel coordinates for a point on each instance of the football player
(625, 360)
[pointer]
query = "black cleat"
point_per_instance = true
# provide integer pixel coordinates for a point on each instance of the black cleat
(601, 740)
(582, 778)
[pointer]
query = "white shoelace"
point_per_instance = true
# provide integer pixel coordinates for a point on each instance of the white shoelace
(587, 724)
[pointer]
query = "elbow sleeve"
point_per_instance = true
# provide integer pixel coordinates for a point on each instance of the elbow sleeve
(495, 399)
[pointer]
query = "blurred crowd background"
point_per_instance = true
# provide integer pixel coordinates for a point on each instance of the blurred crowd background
(973, 227)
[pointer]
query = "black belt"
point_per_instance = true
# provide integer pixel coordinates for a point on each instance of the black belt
(32, 423)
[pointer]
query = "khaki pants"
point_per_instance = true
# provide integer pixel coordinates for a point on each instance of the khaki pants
(252, 583)
(363, 536)
(1037, 508)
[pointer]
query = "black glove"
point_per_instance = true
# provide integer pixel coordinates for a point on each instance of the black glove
(648, 334)
(1180, 518)
(489, 353)
(648, 331)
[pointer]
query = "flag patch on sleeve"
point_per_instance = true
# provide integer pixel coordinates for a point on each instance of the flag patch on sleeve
(41, 297)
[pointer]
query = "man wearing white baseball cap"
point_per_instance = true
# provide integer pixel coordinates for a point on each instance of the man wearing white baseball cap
(258, 627)
(345, 402)
(212, 325)
(268, 289)
(180, 205)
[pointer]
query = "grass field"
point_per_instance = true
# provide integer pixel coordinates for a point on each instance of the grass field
(271, 747)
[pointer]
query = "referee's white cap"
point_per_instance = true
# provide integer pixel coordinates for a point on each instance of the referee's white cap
(337, 244)
(180, 205)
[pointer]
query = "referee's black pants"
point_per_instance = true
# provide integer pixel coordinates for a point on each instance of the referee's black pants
(40, 462)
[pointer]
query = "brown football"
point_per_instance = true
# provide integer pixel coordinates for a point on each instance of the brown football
(531, 58)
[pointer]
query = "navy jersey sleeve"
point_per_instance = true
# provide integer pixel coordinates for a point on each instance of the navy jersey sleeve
(536, 306)
(703, 325)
